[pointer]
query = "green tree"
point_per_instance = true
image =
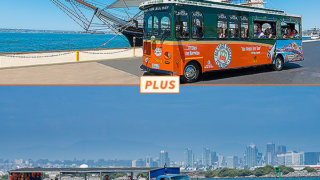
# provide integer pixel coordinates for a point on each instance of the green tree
(261, 171)
(309, 169)
(227, 172)
(244, 172)
(286, 170)
(211, 173)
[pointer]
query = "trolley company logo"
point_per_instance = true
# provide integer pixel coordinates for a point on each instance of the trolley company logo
(159, 84)
(158, 52)
(222, 56)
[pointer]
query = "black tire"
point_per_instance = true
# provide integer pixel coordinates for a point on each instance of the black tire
(191, 73)
(278, 64)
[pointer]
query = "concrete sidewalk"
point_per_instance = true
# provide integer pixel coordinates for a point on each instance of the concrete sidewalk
(42, 58)
(73, 73)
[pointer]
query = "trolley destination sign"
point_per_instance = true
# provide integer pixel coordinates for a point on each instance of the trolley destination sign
(218, 5)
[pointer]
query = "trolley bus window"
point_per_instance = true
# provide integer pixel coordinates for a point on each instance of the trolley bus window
(290, 30)
(165, 30)
(233, 27)
(148, 25)
(244, 27)
(182, 24)
(155, 26)
(222, 26)
(197, 25)
(264, 29)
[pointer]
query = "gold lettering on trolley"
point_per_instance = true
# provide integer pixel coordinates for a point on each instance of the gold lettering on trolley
(158, 60)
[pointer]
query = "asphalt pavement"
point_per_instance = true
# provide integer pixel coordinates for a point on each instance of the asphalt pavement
(305, 72)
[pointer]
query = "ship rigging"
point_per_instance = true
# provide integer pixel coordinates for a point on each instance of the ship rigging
(119, 17)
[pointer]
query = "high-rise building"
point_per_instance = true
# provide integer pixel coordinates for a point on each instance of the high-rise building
(214, 158)
(232, 162)
(188, 158)
(251, 156)
(149, 161)
(260, 159)
(270, 154)
(206, 157)
(140, 163)
(220, 160)
(164, 158)
(134, 163)
(291, 158)
(281, 149)
(311, 158)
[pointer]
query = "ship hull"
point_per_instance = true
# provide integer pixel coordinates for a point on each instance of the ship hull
(130, 36)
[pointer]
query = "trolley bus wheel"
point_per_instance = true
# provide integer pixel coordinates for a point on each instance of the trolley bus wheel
(278, 64)
(191, 73)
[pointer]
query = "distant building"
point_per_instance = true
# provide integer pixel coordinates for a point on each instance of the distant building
(260, 159)
(188, 158)
(220, 161)
(140, 163)
(164, 158)
(311, 158)
(148, 161)
(232, 162)
(134, 163)
(251, 156)
(291, 158)
(155, 164)
(281, 149)
(214, 158)
(206, 157)
(270, 154)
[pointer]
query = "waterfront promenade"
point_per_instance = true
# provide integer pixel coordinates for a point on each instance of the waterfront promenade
(66, 67)
(123, 68)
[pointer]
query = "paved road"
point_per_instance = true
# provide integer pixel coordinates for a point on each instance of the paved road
(306, 72)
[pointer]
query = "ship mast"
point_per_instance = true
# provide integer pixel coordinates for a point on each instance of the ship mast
(129, 27)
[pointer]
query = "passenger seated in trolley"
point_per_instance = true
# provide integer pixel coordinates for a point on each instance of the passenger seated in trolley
(295, 34)
(221, 34)
(259, 33)
(194, 29)
(234, 34)
(291, 34)
(288, 34)
(268, 33)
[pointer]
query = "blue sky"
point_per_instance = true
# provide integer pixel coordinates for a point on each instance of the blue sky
(42, 14)
(117, 122)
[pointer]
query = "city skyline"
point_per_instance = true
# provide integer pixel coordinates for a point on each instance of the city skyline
(210, 160)
(205, 157)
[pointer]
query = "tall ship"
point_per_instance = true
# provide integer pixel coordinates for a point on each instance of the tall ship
(121, 17)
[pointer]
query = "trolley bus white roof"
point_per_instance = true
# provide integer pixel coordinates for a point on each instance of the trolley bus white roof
(219, 6)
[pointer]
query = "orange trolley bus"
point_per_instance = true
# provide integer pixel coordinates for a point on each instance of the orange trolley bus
(190, 37)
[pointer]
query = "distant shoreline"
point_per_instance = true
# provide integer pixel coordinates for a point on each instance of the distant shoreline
(32, 31)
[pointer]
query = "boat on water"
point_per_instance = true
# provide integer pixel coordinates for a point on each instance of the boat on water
(315, 35)
(120, 17)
